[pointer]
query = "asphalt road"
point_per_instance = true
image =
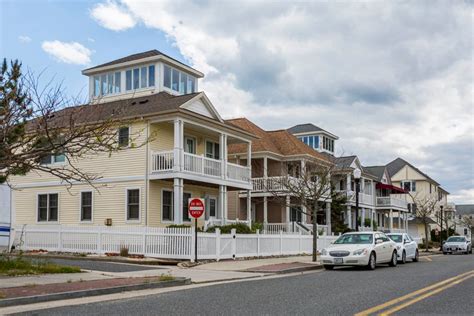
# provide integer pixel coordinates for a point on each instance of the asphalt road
(344, 291)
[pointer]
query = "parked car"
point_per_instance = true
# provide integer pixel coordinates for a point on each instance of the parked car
(456, 244)
(360, 249)
(407, 248)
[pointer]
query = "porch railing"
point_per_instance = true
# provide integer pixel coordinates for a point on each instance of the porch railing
(164, 161)
(391, 201)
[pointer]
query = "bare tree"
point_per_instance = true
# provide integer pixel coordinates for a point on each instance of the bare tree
(467, 221)
(425, 210)
(39, 122)
(307, 186)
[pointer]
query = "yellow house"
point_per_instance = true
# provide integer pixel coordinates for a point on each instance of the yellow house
(422, 187)
(149, 185)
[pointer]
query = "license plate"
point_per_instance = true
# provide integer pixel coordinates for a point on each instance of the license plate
(338, 260)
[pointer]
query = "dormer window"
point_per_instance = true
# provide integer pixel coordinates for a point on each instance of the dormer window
(108, 83)
(140, 78)
(178, 81)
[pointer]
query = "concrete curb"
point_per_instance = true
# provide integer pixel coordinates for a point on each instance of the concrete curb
(289, 270)
(93, 292)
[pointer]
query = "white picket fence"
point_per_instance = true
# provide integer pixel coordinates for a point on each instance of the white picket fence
(171, 243)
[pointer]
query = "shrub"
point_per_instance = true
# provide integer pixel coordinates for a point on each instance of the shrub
(240, 228)
(178, 226)
(123, 252)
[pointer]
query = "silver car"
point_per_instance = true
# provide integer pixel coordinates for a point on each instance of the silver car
(457, 244)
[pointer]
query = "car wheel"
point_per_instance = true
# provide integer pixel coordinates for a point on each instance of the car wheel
(404, 257)
(445, 253)
(394, 261)
(328, 267)
(470, 251)
(417, 256)
(372, 262)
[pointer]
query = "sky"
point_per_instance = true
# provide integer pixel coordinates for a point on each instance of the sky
(390, 78)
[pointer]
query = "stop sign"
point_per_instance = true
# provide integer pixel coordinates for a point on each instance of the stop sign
(196, 207)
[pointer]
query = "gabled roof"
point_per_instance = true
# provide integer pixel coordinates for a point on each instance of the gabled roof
(345, 162)
(397, 164)
(138, 56)
(308, 128)
(377, 171)
(280, 142)
(465, 209)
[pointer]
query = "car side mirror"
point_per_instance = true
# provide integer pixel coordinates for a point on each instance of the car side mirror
(378, 241)
(406, 241)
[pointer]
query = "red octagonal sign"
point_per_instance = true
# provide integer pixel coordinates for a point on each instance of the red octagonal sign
(196, 207)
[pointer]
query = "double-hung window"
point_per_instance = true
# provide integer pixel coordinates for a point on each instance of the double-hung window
(48, 207)
(86, 206)
(212, 150)
(212, 207)
(133, 204)
(167, 206)
(409, 186)
(123, 136)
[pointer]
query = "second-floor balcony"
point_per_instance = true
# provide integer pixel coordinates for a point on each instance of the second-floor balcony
(165, 162)
(391, 202)
(285, 185)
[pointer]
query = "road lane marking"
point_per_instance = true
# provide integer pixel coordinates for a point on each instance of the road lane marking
(422, 297)
(410, 295)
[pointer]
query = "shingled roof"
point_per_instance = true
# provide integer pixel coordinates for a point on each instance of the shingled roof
(344, 162)
(307, 128)
(279, 142)
(397, 164)
(133, 57)
(376, 171)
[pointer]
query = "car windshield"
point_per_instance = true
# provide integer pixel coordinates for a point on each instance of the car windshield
(396, 238)
(355, 239)
(456, 239)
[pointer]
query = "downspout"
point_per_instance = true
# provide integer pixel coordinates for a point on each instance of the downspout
(147, 182)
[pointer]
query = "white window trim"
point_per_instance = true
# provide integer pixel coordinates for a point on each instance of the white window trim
(87, 221)
(100, 84)
(171, 90)
(186, 137)
(139, 78)
(214, 197)
(129, 135)
(133, 221)
(190, 219)
(167, 221)
(213, 142)
(47, 222)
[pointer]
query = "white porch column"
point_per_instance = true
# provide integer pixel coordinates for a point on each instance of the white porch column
(287, 209)
(406, 222)
(399, 220)
(328, 216)
(223, 154)
(304, 217)
(223, 203)
(265, 168)
(265, 210)
(178, 201)
(348, 182)
(391, 220)
(249, 154)
(249, 207)
(178, 144)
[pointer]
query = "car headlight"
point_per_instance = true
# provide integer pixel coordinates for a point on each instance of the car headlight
(324, 252)
(359, 252)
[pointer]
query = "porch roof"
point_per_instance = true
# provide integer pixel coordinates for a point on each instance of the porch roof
(393, 188)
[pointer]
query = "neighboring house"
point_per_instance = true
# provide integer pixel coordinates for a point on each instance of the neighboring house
(4, 214)
(145, 185)
(418, 184)
(276, 155)
(466, 211)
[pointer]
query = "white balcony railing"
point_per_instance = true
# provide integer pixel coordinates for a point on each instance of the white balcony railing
(164, 161)
(363, 198)
(389, 201)
(269, 184)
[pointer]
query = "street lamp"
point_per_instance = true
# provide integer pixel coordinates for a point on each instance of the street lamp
(357, 174)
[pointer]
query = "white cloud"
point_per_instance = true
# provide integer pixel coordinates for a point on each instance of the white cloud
(390, 78)
(24, 39)
(90, 39)
(69, 53)
(112, 16)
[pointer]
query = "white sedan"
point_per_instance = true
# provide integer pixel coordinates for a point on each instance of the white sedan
(360, 249)
(407, 248)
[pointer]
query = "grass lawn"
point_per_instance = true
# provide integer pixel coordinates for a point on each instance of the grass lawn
(18, 265)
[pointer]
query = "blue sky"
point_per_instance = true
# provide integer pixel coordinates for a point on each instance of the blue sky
(390, 78)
